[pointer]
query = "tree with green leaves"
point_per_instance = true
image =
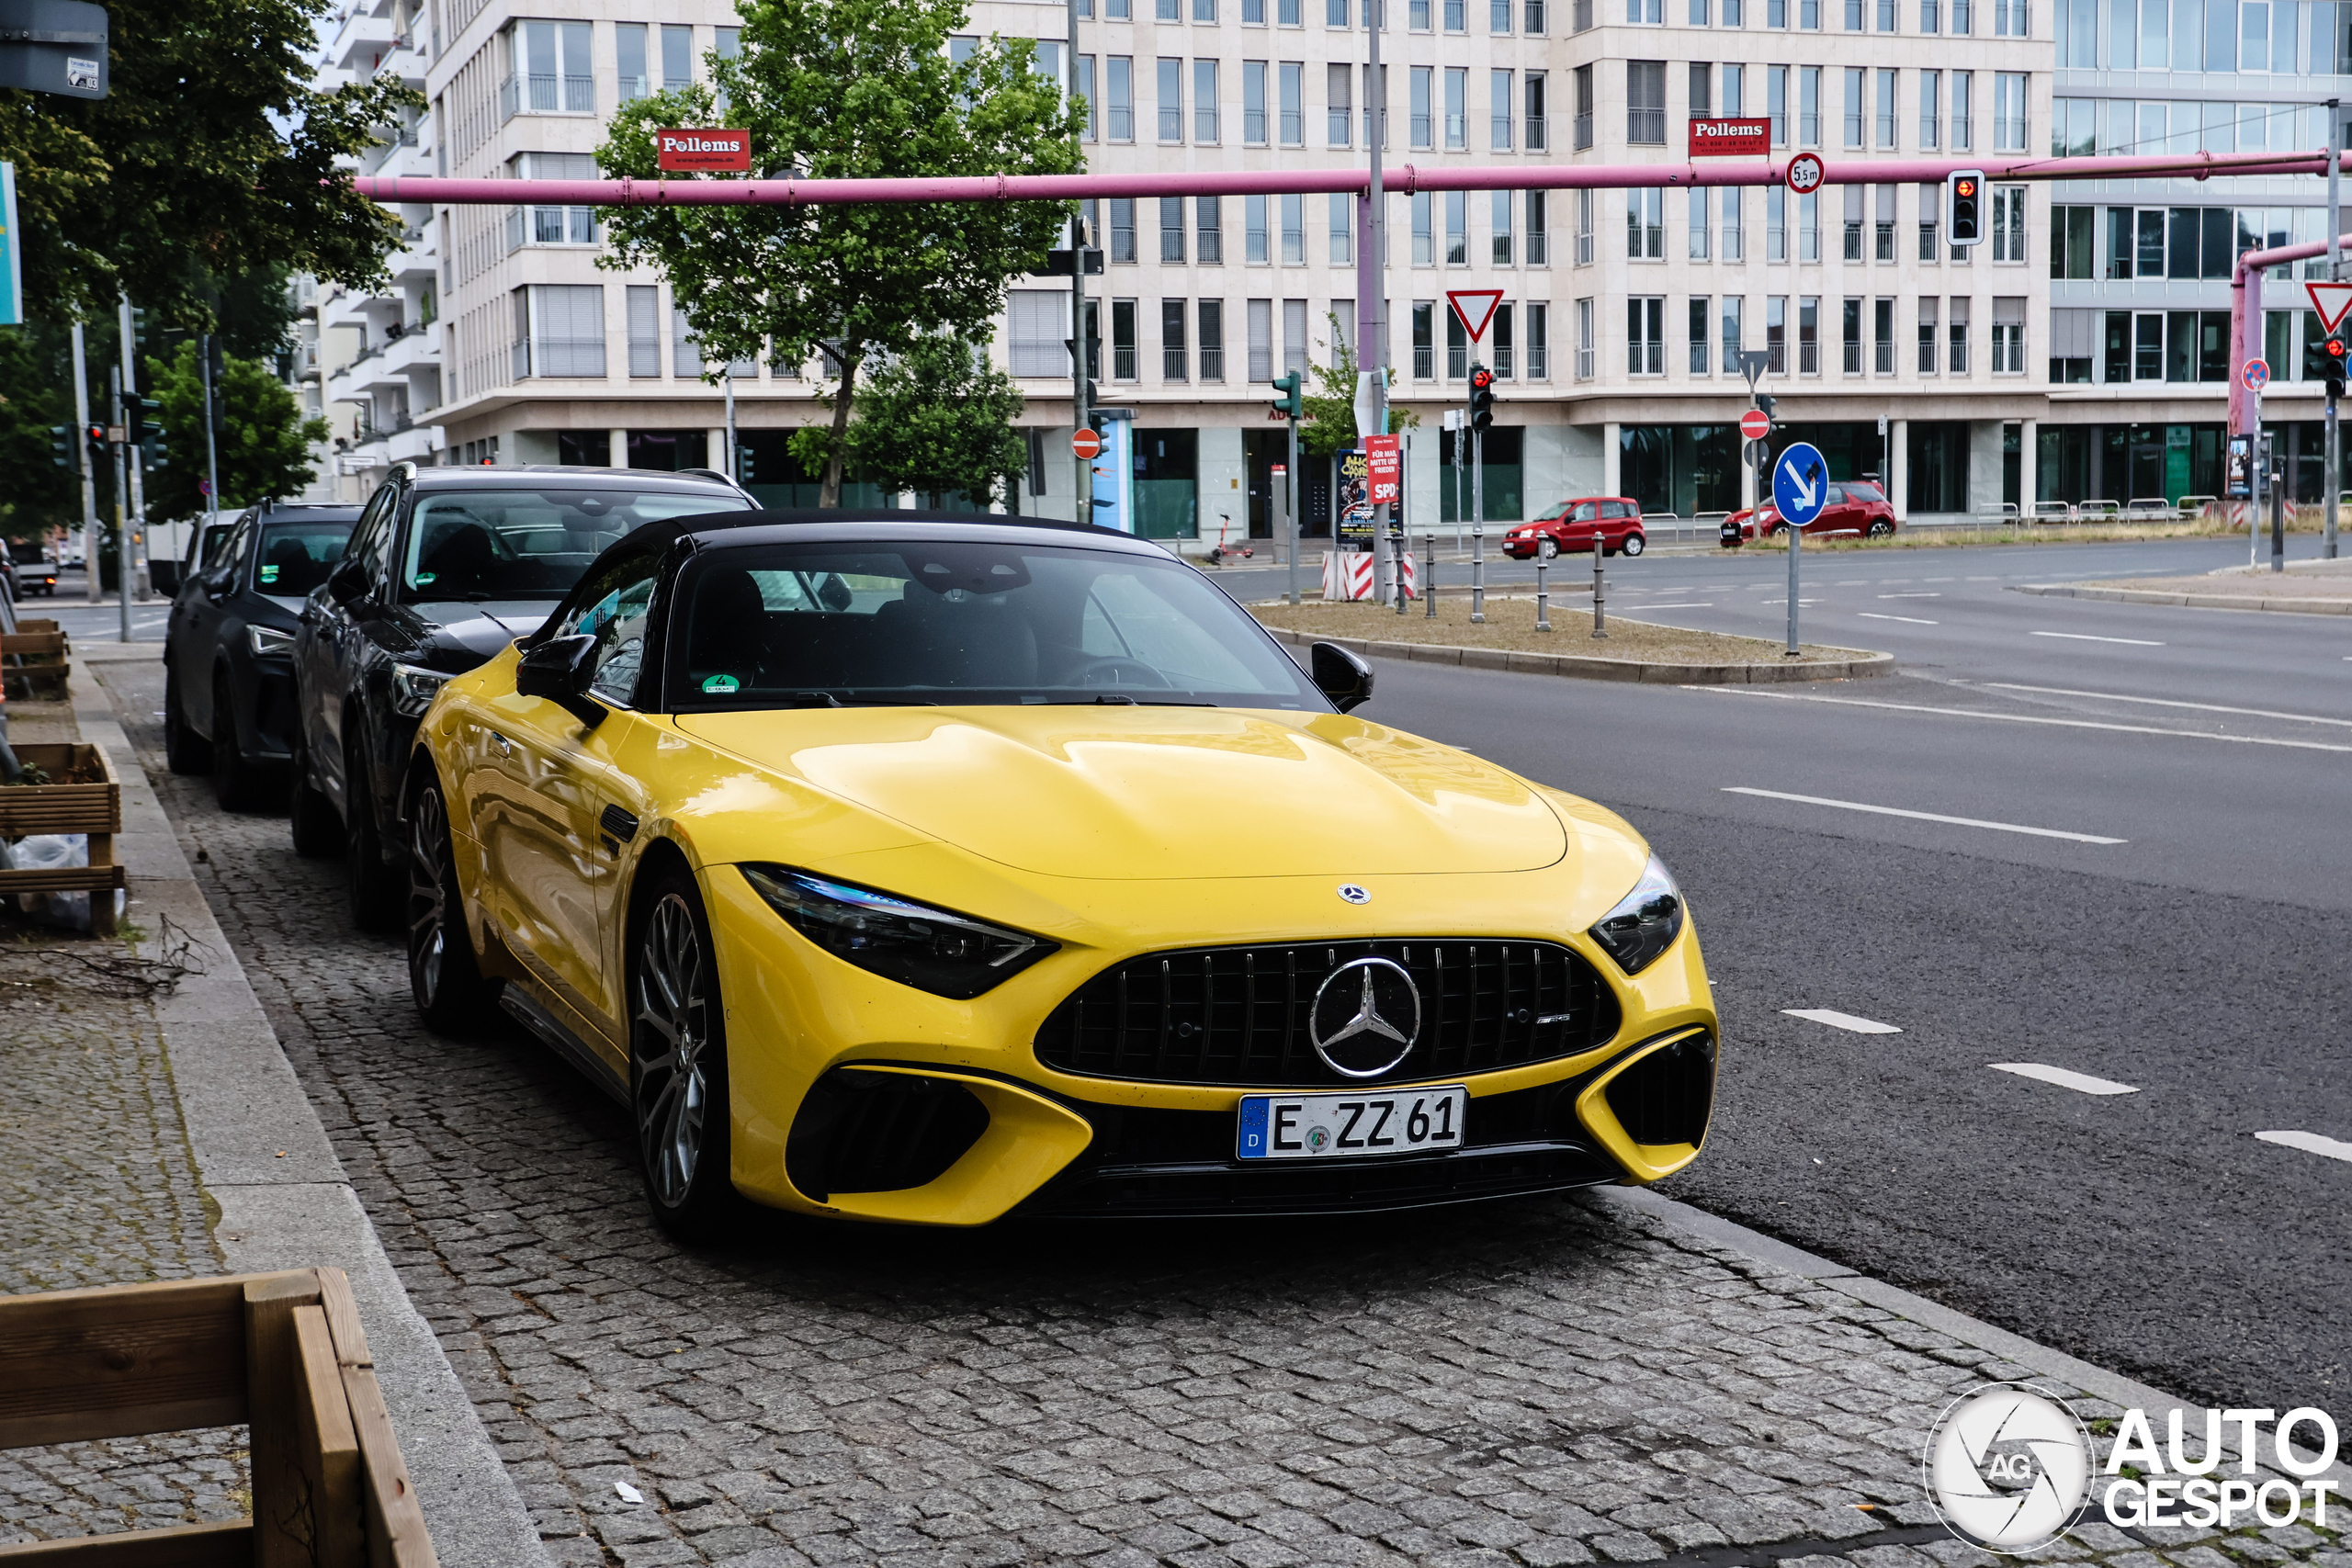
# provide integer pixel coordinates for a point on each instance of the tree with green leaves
(260, 437)
(1330, 422)
(935, 421)
(34, 375)
(850, 89)
(212, 155)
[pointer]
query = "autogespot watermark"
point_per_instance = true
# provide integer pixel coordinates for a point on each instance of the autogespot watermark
(2009, 1467)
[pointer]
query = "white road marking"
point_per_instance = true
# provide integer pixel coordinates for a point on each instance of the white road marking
(2085, 637)
(1701, 605)
(1845, 1021)
(1911, 620)
(2020, 718)
(2082, 1082)
(1801, 602)
(1939, 579)
(1923, 816)
(2166, 703)
(1910, 595)
(2310, 1143)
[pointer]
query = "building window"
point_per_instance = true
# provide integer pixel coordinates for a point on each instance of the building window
(1809, 106)
(1498, 214)
(1253, 225)
(1963, 83)
(1122, 228)
(1457, 228)
(1539, 236)
(1458, 20)
(1809, 226)
(1885, 107)
(1646, 102)
(1338, 83)
(1929, 21)
(552, 225)
(1424, 230)
(1208, 230)
(1956, 330)
(1852, 195)
(1504, 341)
(1701, 229)
(1646, 335)
(1583, 137)
(1172, 228)
(563, 330)
(1852, 363)
(1646, 223)
(2009, 18)
(1261, 340)
(1175, 360)
(1539, 341)
(548, 70)
(1585, 347)
(1418, 87)
(1931, 218)
(1293, 229)
(1083, 85)
(1538, 126)
(1584, 228)
(1728, 320)
(1857, 112)
(1343, 228)
(1776, 99)
(1776, 334)
(644, 305)
(1253, 102)
(1212, 339)
(2008, 337)
(1457, 348)
(1809, 334)
(1931, 109)
(2009, 111)
(1499, 105)
(1424, 340)
(1172, 100)
(1702, 307)
(1123, 340)
(1731, 200)
(1034, 333)
(1776, 223)
(2008, 223)
(1294, 357)
(1204, 104)
(1120, 78)
(1927, 334)
(1291, 82)
(1883, 337)
(1702, 90)
(1884, 249)
(1457, 110)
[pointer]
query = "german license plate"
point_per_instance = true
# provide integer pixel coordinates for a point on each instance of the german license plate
(1323, 1126)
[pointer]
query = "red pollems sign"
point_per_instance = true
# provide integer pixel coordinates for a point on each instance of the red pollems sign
(1731, 137)
(689, 151)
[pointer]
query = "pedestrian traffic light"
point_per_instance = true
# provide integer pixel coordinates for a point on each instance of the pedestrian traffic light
(1482, 398)
(1289, 404)
(1964, 207)
(61, 446)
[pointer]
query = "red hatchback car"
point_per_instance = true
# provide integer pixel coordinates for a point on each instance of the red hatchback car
(1854, 506)
(1613, 520)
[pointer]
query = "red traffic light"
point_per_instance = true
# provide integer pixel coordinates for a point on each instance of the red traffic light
(1967, 188)
(2334, 348)
(1482, 378)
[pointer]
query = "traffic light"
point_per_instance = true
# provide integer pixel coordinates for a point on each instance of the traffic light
(1482, 398)
(1291, 404)
(216, 360)
(96, 436)
(2325, 362)
(61, 446)
(143, 428)
(742, 464)
(138, 329)
(1767, 402)
(1964, 207)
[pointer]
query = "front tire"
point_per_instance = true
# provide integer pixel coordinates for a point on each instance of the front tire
(443, 974)
(678, 1099)
(374, 897)
(185, 752)
(1548, 547)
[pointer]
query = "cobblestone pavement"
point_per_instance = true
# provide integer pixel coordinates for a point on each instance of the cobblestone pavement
(97, 1188)
(1536, 1383)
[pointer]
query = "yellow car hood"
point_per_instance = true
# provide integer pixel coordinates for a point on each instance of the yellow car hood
(1145, 793)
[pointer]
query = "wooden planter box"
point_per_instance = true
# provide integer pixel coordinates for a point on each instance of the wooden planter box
(86, 798)
(283, 1353)
(33, 664)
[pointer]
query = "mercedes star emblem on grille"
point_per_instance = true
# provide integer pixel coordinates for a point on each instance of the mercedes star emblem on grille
(1365, 1017)
(1353, 894)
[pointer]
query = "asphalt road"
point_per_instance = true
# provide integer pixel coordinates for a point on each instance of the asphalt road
(2199, 959)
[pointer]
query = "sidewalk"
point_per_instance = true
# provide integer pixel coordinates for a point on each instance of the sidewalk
(170, 1139)
(2305, 588)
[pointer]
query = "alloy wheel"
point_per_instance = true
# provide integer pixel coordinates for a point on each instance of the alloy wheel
(428, 900)
(673, 1087)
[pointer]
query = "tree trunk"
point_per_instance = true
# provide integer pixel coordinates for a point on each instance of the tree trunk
(829, 495)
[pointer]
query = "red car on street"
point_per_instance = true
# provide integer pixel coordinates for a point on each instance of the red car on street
(1615, 520)
(1854, 506)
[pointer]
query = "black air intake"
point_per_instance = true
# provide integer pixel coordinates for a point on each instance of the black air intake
(1667, 1096)
(869, 1132)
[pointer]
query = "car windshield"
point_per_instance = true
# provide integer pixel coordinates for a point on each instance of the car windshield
(966, 621)
(528, 544)
(297, 557)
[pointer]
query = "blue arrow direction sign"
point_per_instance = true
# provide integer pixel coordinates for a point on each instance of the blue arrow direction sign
(1800, 484)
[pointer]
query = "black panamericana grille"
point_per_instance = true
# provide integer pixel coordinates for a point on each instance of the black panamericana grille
(1238, 1016)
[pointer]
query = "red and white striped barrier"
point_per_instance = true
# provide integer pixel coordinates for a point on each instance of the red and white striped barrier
(1350, 576)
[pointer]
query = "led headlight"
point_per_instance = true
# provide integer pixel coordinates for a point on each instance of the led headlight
(269, 640)
(414, 689)
(932, 950)
(1645, 922)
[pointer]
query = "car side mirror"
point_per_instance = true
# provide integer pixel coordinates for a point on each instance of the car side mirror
(1340, 676)
(560, 670)
(347, 581)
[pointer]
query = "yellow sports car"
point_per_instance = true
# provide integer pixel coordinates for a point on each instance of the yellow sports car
(934, 869)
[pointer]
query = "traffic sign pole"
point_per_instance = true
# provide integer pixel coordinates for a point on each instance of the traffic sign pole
(1796, 538)
(2335, 213)
(1800, 491)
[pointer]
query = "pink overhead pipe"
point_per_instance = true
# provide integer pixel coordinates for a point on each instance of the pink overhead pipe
(2245, 310)
(787, 191)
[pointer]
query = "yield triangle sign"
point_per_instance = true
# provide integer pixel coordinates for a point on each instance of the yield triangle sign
(2331, 301)
(1473, 307)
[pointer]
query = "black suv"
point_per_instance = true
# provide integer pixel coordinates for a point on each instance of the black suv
(229, 651)
(446, 568)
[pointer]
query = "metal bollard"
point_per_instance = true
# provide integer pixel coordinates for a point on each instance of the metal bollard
(1543, 595)
(1599, 621)
(1429, 576)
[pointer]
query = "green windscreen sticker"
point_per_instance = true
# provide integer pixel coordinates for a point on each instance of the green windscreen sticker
(269, 574)
(722, 683)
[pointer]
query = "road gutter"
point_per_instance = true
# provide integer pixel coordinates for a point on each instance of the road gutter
(2274, 604)
(262, 1156)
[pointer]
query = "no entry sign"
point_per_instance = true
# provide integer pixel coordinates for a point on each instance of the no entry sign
(721, 152)
(1085, 443)
(1755, 425)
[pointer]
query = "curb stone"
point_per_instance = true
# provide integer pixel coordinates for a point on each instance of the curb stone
(1590, 669)
(241, 1105)
(2189, 601)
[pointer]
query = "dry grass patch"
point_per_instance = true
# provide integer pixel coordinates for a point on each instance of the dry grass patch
(1510, 626)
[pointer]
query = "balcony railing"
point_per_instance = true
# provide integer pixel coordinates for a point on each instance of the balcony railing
(1537, 132)
(545, 94)
(1644, 128)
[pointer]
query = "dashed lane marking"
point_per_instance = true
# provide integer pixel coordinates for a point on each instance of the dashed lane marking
(1908, 620)
(1910, 595)
(2085, 637)
(1701, 605)
(2020, 718)
(1923, 816)
(2167, 702)
(1845, 1021)
(2310, 1143)
(2081, 1083)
